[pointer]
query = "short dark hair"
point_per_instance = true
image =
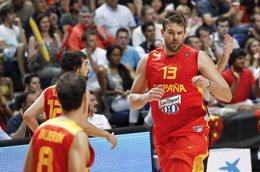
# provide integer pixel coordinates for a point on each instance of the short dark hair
(121, 29)
(28, 77)
(71, 60)
(70, 90)
(173, 17)
(199, 29)
(6, 8)
(188, 39)
(222, 19)
(237, 52)
(145, 25)
(86, 34)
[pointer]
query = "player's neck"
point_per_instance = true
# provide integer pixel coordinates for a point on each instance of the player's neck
(74, 115)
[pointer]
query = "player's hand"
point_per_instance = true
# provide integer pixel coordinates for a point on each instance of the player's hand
(200, 82)
(112, 139)
(155, 94)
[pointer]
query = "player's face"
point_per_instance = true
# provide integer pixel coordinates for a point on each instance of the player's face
(84, 69)
(173, 37)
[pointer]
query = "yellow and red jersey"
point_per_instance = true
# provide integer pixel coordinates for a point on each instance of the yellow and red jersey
(51, 144)
(52, 105)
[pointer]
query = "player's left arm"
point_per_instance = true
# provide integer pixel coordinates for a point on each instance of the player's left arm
(92, 130)
(211, 78)
(28, 167)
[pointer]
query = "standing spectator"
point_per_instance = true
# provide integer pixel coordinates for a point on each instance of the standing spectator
(130, 55)
(12, 37)
(147, 15)
(86, 23)
(113, 16)
(47, 71)
(23, 9)
(71, 18)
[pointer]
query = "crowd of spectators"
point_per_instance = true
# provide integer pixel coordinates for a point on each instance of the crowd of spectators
(115, 35)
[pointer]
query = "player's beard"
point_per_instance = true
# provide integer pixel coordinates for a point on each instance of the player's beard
(172, 49)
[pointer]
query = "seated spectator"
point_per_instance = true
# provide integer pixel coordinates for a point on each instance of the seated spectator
(130, 56)
(150, 43)
(47, 71)
(32, 83)
(5, 112)
(16, 127)
(86, 23)
(222, 28)
(71, 18)
(159, 6)
(193, 22)
(241, 82)
(96, 57)
(4, 135)
(252, 48)
(112, 16)
(147, 15)
(207, 43)
(6, 84)
(12, 37)
(116, 81)
(98, 120)
(194, 42)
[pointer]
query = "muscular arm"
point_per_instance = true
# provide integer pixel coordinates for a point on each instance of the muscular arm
(28, 167)
(79, 153)
(33, 111)
(218, 86)
(138, 97)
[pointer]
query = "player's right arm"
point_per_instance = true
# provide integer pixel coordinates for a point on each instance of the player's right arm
(138, 96)
(79, 153)
(28, 167)
(30, 115)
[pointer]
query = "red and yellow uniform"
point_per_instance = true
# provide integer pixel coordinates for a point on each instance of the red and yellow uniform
(52, 105)
(180, 126)
(51, 144)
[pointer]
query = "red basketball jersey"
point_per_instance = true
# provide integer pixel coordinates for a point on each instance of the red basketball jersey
(52, 105)
(51, 144)
(181, 110)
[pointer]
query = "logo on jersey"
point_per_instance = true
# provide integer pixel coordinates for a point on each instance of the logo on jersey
(187, 54)
(156, 56)
(169, 105)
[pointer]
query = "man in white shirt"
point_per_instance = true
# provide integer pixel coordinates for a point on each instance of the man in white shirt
(98, 120)
(113, 16)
